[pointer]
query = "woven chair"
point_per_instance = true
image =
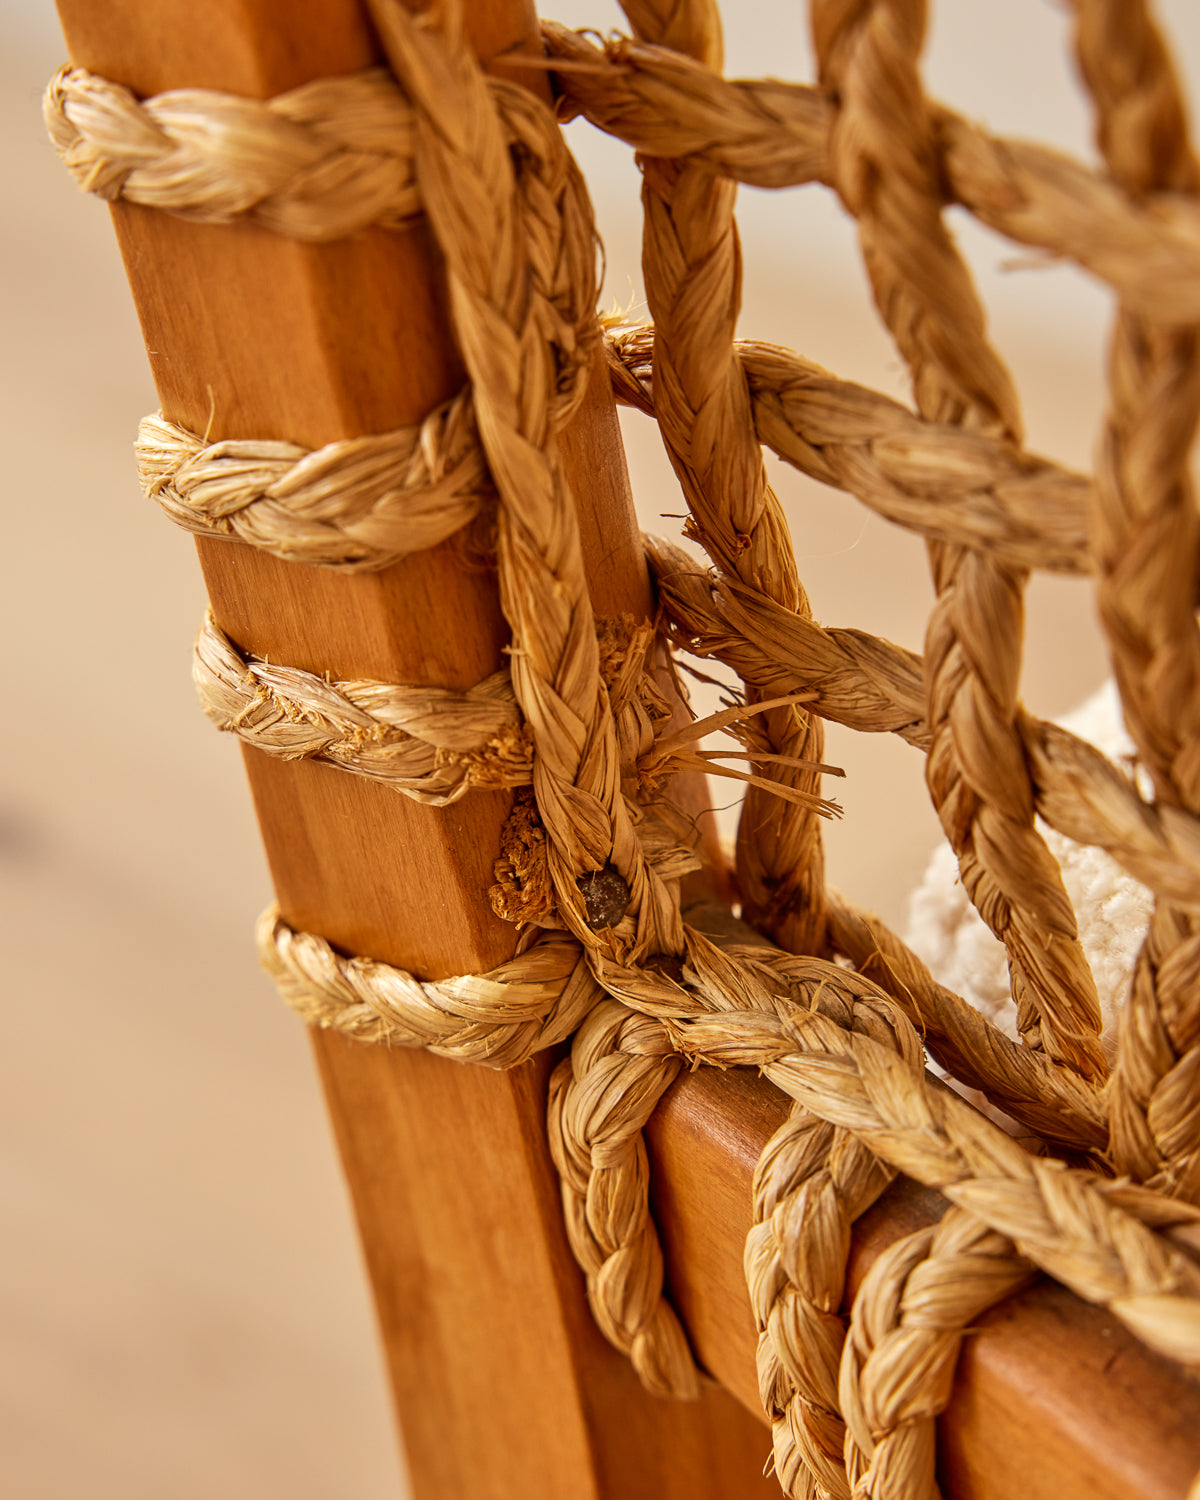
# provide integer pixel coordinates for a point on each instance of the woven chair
(388, 415)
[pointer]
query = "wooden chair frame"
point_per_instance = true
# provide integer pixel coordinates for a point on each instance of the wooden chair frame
(503, 1386)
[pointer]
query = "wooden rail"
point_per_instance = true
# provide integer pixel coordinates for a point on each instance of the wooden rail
(1054, 1399)
(503, 1387)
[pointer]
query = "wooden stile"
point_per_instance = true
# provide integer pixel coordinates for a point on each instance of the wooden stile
(1054, 1399)
(503, 1385)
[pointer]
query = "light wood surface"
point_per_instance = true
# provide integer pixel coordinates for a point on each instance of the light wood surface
(1053, 1398)
(503, 1386)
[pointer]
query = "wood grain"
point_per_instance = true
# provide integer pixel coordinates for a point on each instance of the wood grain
(503, 1386)
(1054, 1399)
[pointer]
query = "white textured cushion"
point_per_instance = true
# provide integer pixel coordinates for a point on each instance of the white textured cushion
(1112, 909)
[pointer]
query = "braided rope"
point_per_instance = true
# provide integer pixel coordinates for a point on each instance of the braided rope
(358, 504)
(966, 488)
(911, 1312)
(430, 743)
(692, 265)
(692, 268)
(812, 1181)
(1110, 1243)
(503, 285)
(498, 1020)
(334, 156)
(975, 770)
(1074, 1227)
(828, 1038)
(1052, 1102)
(516, 233)
(1145, 513)
(365, 502)
(600, 1099)
(433, 744)
(872, 685)
(346, 142)
(771, 134)
(317, 163)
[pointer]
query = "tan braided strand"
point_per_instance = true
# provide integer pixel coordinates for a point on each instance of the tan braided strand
(500, 282)
(1110, 1244)
(692, 266)
(882, 157)
(497, 1020)
(872, 685)
(883, 165)
(359, 504)
(946, 483)
(1054, 1103)
(210, 487)
(806, 1448)
(335, 155)
(600, 1099)
(771, 134)
(433, 744)
(1146, 512)
(367, 501)
(363, 503)
(906, 1329)
(808, 1218)
(430, 743)
(812, 1181)
(1071, 1225)
(1145, 515)
(318, 163)
(857, 679)
(599, 1103)
(551, 194)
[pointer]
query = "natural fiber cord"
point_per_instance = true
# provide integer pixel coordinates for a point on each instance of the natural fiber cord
(819, 996)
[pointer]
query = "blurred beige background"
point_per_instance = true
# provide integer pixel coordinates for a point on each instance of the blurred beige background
(182, 1310)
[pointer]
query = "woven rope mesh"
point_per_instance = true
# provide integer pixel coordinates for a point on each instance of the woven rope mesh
(872, 165)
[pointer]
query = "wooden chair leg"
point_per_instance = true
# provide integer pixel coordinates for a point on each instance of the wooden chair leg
(503, 1386)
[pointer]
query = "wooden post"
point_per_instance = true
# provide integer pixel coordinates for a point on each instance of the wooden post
(503, 1386)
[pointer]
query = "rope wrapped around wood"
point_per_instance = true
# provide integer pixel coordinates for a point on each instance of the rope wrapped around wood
(365, 502)
(642, 991)
(350, 503)
(433, 744)
(771, 134)
(338, 157)
(429, 743)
